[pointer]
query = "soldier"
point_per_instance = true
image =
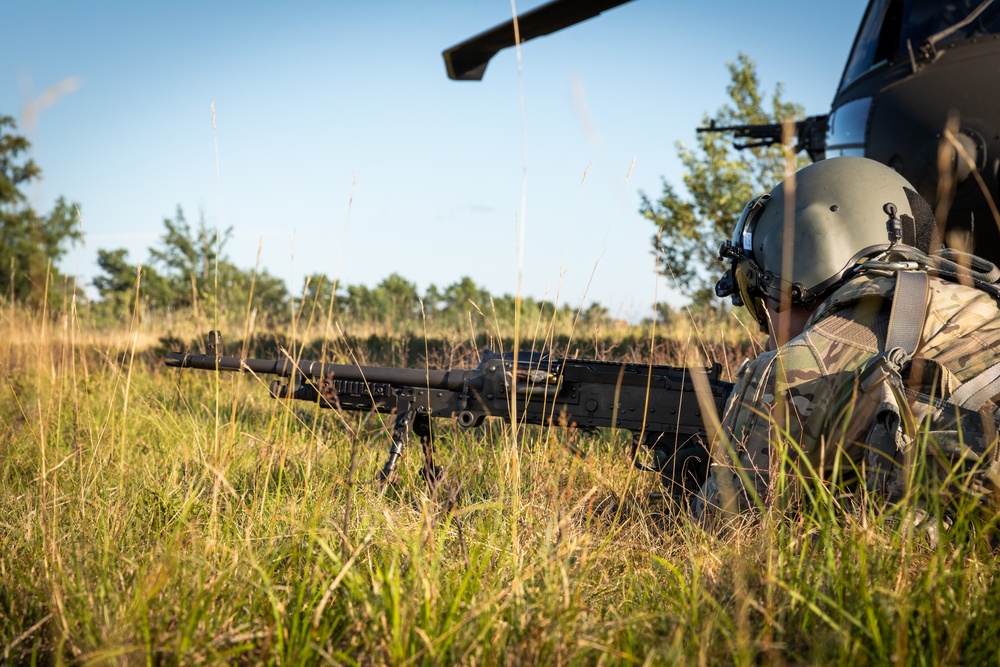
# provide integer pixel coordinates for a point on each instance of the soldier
(882, 356)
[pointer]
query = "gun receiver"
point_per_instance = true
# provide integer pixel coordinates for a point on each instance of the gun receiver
(656, 403)
(810, 135)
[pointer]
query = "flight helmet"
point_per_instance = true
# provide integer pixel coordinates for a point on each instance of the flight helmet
(844, 211)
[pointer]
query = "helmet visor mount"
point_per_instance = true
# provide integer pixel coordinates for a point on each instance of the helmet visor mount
(742, 280)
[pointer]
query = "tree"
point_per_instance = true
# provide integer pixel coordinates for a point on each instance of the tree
(30, 244)
(399, 297)
(463, 298)
(188, 256)
(719, 180)
(317, 292)
(358, 303)
(116, 285)
(595, 314)
(188, 269)
(240, 290)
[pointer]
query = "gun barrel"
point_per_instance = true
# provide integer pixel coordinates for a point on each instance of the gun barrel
(772, 131)
(316, 370)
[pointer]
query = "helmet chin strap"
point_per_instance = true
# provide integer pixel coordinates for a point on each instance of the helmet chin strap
(769, 330)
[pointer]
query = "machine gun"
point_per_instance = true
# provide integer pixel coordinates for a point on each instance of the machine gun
(810, 135)
(658, 404)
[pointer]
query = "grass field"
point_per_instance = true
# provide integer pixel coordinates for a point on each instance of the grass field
(150, 516)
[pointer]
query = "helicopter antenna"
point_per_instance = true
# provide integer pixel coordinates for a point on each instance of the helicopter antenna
(467, 61)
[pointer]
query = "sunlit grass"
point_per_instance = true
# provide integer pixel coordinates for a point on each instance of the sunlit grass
(149, 515)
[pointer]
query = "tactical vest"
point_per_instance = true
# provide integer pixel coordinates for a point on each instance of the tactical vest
(924, 437)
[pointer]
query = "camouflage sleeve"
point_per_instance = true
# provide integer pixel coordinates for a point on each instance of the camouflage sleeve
(771, 403)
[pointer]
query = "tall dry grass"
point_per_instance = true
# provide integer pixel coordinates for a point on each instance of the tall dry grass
(162, 517)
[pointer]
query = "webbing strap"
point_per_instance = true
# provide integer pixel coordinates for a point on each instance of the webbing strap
(906, 322)
(979, 389)
(881, 379)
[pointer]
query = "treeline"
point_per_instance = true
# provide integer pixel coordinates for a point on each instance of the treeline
(189, 269)
(187, 273)
(31, 243)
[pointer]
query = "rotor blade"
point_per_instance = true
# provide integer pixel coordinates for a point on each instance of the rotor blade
(467, 61)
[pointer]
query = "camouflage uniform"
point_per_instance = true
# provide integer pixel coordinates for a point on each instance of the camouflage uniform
(821, 400)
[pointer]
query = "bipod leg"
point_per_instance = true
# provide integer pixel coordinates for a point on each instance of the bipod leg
(400, 438)
(422, 428)
(682, 465)
(658, 450)
(640, 440)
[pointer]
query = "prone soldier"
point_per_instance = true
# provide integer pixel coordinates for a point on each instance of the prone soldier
(883, 356)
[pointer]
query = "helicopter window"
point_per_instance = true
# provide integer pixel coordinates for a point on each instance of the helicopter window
(891, 28)
(928, 18)
(877, 40)
(847, 128)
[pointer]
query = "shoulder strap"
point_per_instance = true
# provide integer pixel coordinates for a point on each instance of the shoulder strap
(906, 324)
(909, 306)
(974, 393)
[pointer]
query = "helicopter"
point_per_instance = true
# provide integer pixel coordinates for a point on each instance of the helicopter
(918, 93)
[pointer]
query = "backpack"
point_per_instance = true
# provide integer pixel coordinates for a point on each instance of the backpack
(924, 440)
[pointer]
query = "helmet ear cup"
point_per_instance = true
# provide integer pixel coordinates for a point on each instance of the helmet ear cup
(748, 292)
(740, 281)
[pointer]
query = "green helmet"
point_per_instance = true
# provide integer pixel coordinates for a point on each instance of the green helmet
(846, 210)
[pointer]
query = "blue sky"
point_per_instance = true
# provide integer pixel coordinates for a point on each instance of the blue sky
(344, 148)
